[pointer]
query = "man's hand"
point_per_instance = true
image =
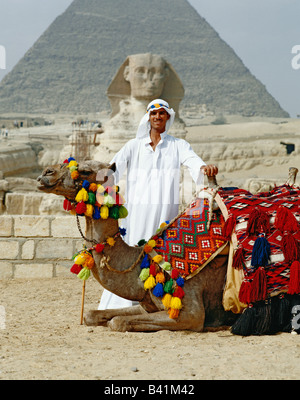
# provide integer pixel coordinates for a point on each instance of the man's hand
(209, 170)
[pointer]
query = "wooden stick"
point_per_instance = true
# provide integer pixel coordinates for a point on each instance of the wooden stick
(82, 303)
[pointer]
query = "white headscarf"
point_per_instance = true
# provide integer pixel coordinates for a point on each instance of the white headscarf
(144, 127)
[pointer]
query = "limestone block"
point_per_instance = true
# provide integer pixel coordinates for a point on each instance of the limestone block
(32, 226)
(28, 250)
(6, 225)
(9, 250)
(66, 227)
(23, 204)
(54, 249)
(6, 270)
(29, 271)
(62, 269)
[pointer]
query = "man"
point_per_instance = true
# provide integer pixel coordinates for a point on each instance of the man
(153, 160)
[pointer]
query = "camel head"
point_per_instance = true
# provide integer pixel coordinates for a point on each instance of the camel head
(57, 178)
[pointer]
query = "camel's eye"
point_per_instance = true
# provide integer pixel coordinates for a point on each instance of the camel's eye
(49, 171)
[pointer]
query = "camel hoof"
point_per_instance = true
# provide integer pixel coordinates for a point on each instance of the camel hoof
(118, 324)
(92, 318)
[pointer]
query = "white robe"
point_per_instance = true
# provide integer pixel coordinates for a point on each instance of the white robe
(152, 189)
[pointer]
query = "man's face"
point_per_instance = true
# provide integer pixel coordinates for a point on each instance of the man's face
(158, 119)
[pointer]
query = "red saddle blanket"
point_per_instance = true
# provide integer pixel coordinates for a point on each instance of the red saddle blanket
(266, 234)
(187, 244)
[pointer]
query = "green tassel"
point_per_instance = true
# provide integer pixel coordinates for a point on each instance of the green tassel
(145, 273)
(168, 286)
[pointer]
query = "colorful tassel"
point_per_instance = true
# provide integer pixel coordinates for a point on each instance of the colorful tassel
(114, 212)
(89, 263)
(110, 241)
(89, 211)
(123, 212)
(245, 292)
(67, 205)
(81, 208)
(160, 277)
(147, 248)
(152, 243)
(145, 262)
(104, 212)
(173, 313)
(176, 303)
(158, 258)
(290, 248)
(84, 274)
(168, 286)
(122, 231)
(75, 175)
(286, 221)
(229, 227)
(82, 195)
(180, 281)
(179, 292)
(96, 214)
(238, 259)
(99, 247)
(92, 198)
(76, 269)
(93, 187)
(294, 284)
(150, 283)
(166, 300)
(259, 222)
(158, 291)
(259, 286)
(153, 270)
(174, 274)
(261, 252)
(166, 266)
(145, 273)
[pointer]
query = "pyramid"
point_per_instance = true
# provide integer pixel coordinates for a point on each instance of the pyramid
(71, 65)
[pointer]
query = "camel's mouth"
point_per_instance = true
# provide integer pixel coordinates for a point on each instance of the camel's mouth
(45, 185)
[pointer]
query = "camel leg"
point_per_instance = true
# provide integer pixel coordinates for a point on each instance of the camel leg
(101, 317)
(155, 322)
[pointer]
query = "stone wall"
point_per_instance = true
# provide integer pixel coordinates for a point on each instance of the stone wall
(38, 246)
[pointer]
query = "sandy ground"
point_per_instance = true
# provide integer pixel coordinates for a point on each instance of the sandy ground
(43, 340)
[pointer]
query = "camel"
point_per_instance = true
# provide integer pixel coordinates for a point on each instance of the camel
(118, 268)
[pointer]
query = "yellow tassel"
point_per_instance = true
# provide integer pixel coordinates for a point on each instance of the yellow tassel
(82, 195)
(152, 243)
(150, 283)
(173, 314)
(89, 210)
(157, 259)
(104, 212)
(100, 189)
(72, 164)
(166, 300)
(176, 303)
(110, 241)
(80, 259)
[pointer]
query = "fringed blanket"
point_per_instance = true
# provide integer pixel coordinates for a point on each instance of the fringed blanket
(265, 233)
(187, 244)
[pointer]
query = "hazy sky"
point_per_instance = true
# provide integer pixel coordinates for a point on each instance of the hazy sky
(262, 33)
